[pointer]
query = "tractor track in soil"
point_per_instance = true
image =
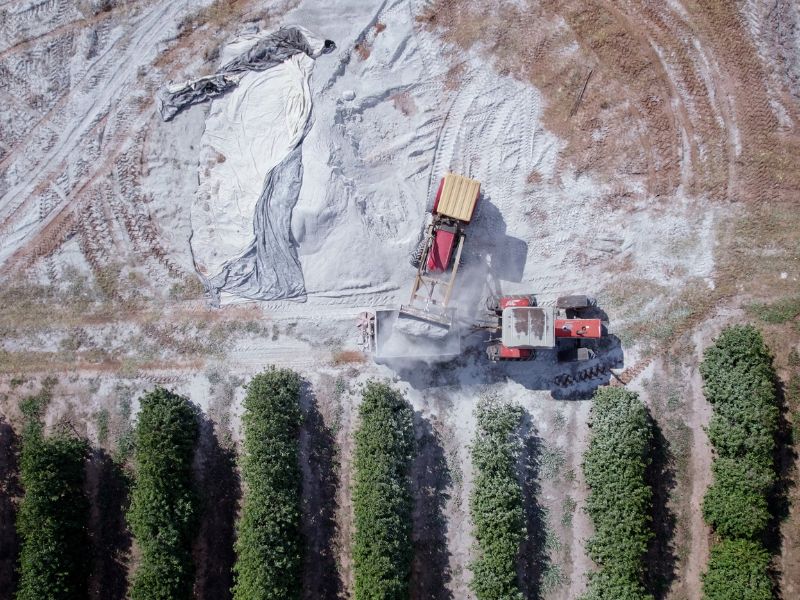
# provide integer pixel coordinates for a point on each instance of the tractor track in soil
(94, 124)
(60, 31)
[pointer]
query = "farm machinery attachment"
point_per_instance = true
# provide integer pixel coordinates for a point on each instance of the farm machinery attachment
(439, 254)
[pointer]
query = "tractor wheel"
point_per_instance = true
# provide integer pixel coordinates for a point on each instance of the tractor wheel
(493, 352)
(493, 305)
(416, 256)
(575, 302)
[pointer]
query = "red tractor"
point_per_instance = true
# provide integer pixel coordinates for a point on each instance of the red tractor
(525, 328)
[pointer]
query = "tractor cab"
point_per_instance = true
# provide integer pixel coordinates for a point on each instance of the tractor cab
(525, 328)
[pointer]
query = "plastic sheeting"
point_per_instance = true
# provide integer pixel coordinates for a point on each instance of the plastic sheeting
(265, 53)
(250, 164)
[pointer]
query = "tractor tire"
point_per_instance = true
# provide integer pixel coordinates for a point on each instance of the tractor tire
(416, 256)
(575, 302)
(493, 305)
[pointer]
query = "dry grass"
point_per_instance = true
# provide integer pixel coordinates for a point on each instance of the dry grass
(362, 50)
(553, 46)
(630, 121)
(649, 89)
(212, 26)
(347, 357)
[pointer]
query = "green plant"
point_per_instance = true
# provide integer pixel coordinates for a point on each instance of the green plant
(552, 460)
(735, 505)
(794, 358)
(778, 312)
(553, 577)
(738, 569)
(568, 508)
(32, 408)
(384, 445)
(739, 382)
(496, 503)
(559, 421)
(53, 515)
(793, 392)
(610, 584)
(620, 500)
(162, 515)
(101, 417)
(268, 543)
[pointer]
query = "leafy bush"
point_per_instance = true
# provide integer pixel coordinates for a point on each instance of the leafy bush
(53, 515)
(268, 544)
(738, 569)
(745, 431)
(620, 501)
(162, 515)
(738, 364)
(496, 502)
(735, 505)
(739, 382)
(777, 312)
(382, 495)
(609, 584)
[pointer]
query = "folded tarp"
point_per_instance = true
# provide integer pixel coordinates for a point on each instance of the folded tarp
(250, 164)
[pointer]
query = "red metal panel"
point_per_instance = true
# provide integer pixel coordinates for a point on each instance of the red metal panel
(514, 301)
(579, 328)
(514, 353)
(439, 255)
(438, 195)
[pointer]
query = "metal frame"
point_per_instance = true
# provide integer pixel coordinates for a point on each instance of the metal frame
(424, 290)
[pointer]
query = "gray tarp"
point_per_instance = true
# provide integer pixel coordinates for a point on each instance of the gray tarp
(268, 52)
(269, 269)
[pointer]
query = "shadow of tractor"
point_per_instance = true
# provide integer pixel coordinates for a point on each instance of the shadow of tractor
(565, 380)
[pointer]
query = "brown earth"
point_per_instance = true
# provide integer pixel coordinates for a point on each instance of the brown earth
(661, 99)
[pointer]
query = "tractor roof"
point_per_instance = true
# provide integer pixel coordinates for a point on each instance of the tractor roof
(528, 327)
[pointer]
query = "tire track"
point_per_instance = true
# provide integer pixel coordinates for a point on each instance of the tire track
(150, 30)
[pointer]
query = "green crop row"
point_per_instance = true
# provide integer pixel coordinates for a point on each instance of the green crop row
(268, 544)
(496, 503)
(53, 515)
(620, 500)
(739, 382)
(163, 511)
(382, 500)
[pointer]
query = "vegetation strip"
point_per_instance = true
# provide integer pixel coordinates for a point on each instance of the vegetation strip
(620, 501)
(382, 501)
(739, 382)
(496, 501)
(54, 513)
(163, 511)
(268, 544)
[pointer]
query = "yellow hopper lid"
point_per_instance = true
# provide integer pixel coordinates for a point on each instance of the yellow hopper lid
(458, 197)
